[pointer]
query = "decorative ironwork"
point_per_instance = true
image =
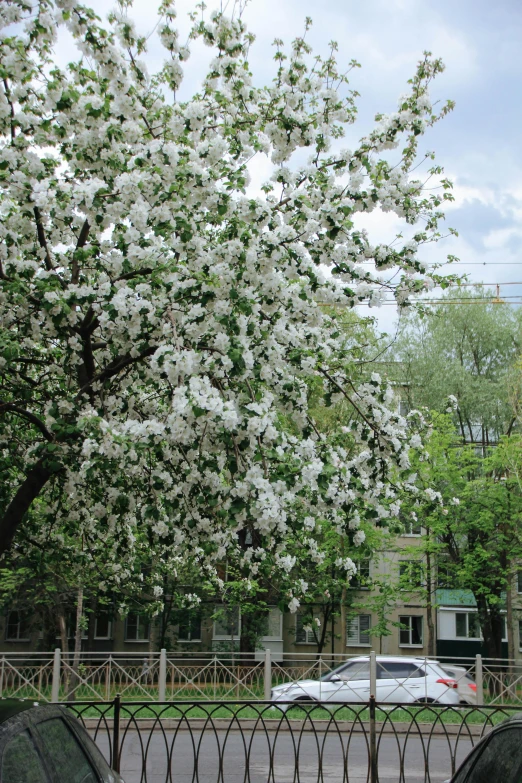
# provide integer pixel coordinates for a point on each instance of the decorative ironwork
(256, 741)
(211, 676)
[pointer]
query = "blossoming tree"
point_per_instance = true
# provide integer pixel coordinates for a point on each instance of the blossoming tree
(159, 320)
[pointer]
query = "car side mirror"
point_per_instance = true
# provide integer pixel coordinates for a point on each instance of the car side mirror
(335, 678)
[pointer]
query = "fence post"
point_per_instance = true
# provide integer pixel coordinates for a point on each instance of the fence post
(479, 680)
(116, 734)
(268, 675)
(373, 742)
(2, 677)
(55, 687)
(373, 674)
(162, 684)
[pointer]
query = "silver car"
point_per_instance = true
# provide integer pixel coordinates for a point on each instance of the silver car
(399, 680)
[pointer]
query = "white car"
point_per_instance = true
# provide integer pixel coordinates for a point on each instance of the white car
(399, 680)
(466, 685)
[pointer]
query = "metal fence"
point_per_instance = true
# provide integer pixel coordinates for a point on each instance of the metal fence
(169, 675)
(255, 742)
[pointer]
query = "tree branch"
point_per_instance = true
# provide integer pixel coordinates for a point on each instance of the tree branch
(42, 239)
(3, 275)
(9, 406)
(36, 479)
(82, 239)
(116, 366)
(137, 273)
(11, 106)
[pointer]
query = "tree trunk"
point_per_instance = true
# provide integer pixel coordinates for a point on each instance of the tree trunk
(249, 636)
(509, 618)
(62, 624)
(77, 645)
(36, 479)
(491, 626)
(93, 608)
(429, 601)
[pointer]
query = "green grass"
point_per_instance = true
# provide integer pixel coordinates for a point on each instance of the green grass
(419, 714)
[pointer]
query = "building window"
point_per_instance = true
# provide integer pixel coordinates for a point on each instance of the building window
(520, 634)
(412, 527)
(467, 625)
(274, 624)
(227, 622)
(70, 626)
(519, 582)
(361, 580)
(137, 628)
(189, 626)
(16, 627)
(404, 408)
(358, 630)
(444, 573)
(304, 629)
(103, 626)
(410, 632)
(411, 575)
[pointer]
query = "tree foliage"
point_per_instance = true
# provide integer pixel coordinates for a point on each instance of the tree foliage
(160, 322)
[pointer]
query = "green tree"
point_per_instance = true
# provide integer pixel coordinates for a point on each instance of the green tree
(471, 508)
(467, 347)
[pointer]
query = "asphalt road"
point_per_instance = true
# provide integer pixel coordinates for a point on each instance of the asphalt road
(285, 751)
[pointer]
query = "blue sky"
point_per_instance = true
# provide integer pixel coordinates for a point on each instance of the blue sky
(478, 143)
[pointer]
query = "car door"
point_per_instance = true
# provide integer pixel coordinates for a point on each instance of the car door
(69, 760)
(498, 758)
(399, 681)
(354, 682)
(21, 760)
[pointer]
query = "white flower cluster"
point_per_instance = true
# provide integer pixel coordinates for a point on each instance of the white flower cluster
(161, 322)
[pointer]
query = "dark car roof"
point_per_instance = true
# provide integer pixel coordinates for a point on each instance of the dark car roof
(11, 707)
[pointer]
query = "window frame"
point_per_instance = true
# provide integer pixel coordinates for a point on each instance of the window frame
(126, 633)
(358, 643)
(363, 573)
(218, 637)
(109, 628)
(410, 617)
(21, 621)
(279, 638)
(408, 568)
(309, 635)
(190, 639)
(408, 529)
(467, 615)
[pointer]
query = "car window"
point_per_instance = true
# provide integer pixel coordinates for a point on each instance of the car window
(21, 762)
(398, 670)
(461, 775)
(357, 671)
(70, 761)
(500, 759)
(340, 671)
(96, 754)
